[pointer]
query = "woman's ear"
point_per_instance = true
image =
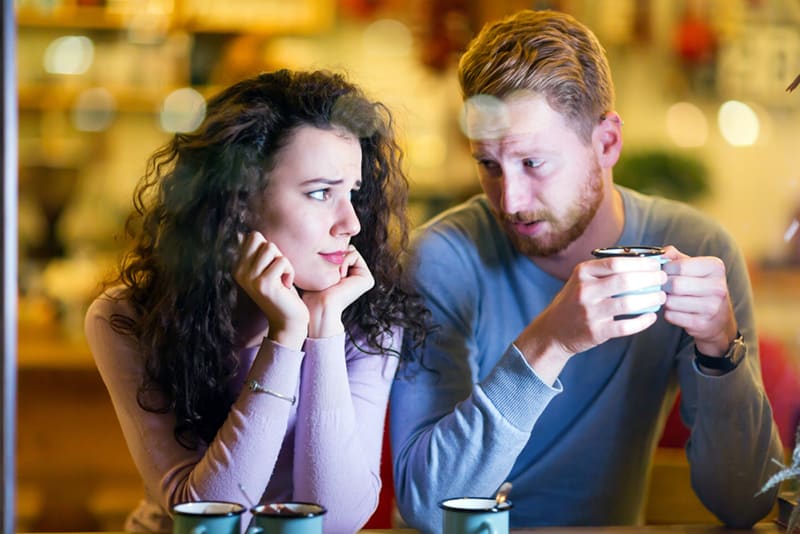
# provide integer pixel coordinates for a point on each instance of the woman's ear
(607, 139)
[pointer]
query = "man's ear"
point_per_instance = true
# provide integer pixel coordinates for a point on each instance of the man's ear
(607, 139)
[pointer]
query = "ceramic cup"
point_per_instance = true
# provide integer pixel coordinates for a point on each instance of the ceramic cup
(634, 252)
(474, 515)
(207, 517)
(287, 518)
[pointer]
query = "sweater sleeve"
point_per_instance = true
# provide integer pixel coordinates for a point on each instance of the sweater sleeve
(339, 431)
(246, 447)
(733, 438)
(451, 434)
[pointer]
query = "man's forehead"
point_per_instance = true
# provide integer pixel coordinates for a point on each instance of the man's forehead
(508, 142)
(488, 118)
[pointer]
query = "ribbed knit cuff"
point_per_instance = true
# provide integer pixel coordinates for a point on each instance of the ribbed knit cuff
(516, 390)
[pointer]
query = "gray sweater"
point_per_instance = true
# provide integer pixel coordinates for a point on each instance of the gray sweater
(475, 414)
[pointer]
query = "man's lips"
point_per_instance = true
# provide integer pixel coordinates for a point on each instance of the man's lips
(337, 258)
(529, 228)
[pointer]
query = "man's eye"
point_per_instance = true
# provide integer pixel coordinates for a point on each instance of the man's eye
(489, 165)
(533, 163)
(319, 194)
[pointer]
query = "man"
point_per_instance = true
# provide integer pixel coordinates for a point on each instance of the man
(533, 373)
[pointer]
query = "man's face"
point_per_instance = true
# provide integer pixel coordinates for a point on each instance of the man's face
(543, 182)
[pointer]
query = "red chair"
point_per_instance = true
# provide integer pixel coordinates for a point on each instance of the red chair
(781, 382)
(382, 517)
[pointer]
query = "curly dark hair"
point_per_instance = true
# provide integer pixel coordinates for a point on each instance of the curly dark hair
(193, 201)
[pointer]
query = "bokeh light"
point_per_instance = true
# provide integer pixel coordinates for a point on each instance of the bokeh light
(687, 125)
(183, 111)
(94, 110)
(738, 123)
(387, 37)
(484, 117)
(70, 54)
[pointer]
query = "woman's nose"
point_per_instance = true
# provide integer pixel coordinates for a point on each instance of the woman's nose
(347, 222)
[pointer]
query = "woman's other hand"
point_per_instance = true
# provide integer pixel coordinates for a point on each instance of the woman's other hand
(326, 307)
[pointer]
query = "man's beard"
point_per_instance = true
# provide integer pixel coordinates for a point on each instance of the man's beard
(563, 231)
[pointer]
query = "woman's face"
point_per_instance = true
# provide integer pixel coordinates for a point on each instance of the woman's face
(306, 208)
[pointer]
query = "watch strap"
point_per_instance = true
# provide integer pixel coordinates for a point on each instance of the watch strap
(727, 362)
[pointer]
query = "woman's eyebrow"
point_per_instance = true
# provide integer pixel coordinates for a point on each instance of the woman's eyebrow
(328, 181)
(322, 181)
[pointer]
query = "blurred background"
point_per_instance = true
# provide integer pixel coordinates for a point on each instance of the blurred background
(103, 83)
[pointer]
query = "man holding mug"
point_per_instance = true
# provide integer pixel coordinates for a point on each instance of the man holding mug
(542, 369)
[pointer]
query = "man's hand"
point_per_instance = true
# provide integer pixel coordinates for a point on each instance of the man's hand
(699, 302)
(583, 313)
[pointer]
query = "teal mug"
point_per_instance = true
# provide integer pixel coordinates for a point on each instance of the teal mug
(640, 251)
(287, 518)
(207, 517)
(474, 515)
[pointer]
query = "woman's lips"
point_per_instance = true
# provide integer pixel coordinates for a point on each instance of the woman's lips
(337, 258)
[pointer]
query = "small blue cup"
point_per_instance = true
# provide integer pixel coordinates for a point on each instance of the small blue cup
(207, 517)
(634, 252)
(287, 518)
(474, 515)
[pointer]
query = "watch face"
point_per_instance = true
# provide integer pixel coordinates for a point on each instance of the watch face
(737, 351)
(637, 251)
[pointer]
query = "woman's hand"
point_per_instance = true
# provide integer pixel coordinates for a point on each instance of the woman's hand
(268, 277)
(326, 307)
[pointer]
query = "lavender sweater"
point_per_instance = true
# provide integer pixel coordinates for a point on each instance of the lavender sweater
(325, 448)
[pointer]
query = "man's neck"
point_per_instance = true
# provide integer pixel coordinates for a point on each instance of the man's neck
(604, 231)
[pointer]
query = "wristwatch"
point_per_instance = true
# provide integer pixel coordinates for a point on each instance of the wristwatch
(728, 361)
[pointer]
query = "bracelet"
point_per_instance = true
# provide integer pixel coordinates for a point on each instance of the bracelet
(258, 388)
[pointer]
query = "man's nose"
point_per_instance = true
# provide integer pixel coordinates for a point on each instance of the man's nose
(515, 193)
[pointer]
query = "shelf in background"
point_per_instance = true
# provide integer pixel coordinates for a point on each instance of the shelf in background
(83, 17)
(231, 16)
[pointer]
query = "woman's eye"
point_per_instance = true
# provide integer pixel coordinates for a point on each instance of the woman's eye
(319, 194)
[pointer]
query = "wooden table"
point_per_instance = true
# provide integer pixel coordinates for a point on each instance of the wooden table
(762, 528)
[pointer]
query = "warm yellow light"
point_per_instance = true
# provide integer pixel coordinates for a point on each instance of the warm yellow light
(387, 37)
(738, 123)
(183, 111)
(427, 150)
(70, 54)
(687, 125)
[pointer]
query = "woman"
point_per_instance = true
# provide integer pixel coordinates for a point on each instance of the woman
(250, 339)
